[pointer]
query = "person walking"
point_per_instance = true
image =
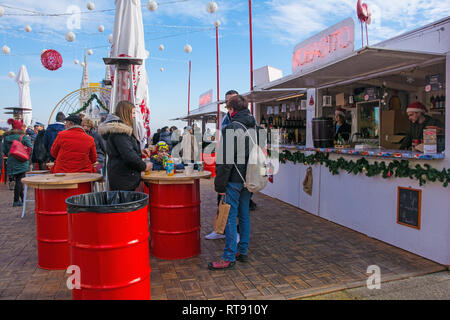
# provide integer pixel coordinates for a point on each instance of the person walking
(52, 131)
(39, 155)
(73, 149)
(124, 163)
(100, 144)
(16, 168)
(228, 183)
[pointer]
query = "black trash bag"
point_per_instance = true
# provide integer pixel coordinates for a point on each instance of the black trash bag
(107, 202)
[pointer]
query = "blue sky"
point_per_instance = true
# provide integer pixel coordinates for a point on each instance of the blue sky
(277, 26)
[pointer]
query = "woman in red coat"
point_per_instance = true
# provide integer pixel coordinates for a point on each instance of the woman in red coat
(73, 149)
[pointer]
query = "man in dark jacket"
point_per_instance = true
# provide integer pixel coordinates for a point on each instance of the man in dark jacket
(419, 121)
(232, 157)
(52, 131)
(39, 154)
(100, 144)
(155, 138)
(165, 136)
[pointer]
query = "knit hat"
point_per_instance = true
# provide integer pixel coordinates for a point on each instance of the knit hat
(16, 124)
(340, 111)
(417, 107)
(162, 145)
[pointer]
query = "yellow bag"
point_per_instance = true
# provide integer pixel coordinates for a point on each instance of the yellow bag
(220, 221)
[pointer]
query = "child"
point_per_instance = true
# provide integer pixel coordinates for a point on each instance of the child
(158, 160)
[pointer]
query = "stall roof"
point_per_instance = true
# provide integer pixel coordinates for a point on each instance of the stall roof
(366, 63)
(261, 95)
(207, 111)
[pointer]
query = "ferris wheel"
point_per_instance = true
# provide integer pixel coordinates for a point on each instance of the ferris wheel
(92, 101)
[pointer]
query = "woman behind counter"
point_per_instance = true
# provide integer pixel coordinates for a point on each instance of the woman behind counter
(342, 128)
(125, 164)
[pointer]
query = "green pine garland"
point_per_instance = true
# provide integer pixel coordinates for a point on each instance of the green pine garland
(400, 169)
(84, 107)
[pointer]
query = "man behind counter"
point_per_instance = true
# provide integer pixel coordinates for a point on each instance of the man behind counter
(419, 121)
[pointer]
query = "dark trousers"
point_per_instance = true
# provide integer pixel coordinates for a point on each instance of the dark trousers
(18, 187)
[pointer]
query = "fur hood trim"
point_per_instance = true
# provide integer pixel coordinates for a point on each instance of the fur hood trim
(114, 127)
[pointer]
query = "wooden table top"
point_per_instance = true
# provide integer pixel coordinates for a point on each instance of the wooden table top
(60, 180)
(163, 178)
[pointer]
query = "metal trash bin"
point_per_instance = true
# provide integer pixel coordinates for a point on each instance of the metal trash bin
(109, 242)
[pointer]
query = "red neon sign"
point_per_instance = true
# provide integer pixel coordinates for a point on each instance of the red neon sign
(324, 47)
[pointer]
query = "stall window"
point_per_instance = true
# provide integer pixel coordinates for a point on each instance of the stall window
(368, 125)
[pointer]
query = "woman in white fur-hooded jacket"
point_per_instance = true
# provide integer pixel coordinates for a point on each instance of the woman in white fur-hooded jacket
(125, 162)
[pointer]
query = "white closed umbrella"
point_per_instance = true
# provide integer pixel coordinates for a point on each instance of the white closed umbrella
(23, 81)
(128, 41)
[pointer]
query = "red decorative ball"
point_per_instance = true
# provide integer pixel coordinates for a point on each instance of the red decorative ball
(51, 59)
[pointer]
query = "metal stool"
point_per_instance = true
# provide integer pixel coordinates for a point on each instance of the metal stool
(25, 189)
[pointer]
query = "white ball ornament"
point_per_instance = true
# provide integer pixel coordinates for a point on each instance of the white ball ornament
(101, 28)
(217, 23)
(188, 48)
(161, 69)
(70, 36)
(152, 5)
(76, 61)
(147, 53)
(2, 11)
(211, 7)
(11, 74)
(27, 29)
(82, 64)
(91, 6)
(110, 38)
(90, 52)
(161, 47)
(6, 50)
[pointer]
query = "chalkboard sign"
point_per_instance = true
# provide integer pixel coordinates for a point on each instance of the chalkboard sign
(408, 207)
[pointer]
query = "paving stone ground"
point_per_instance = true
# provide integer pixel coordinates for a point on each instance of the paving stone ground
(292, 255)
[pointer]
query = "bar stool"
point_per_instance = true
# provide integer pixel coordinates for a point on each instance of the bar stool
(25, 189)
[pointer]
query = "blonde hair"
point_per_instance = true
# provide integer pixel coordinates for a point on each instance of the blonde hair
(87, 122)
(124, 111)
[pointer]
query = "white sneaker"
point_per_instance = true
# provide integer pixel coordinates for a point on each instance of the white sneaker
(213, 236)
(238, 237)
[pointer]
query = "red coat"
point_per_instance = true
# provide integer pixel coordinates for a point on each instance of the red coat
(74, 151)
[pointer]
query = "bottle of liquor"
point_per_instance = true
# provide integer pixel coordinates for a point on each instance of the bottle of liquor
(437, 102)
(432, 102)
(443, 102)
(263, 121)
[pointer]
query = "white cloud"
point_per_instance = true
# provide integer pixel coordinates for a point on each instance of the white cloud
(292, 21)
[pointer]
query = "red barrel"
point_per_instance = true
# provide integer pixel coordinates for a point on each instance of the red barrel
(51, 226)
(210, 163)
(175, 220)
(112, 251)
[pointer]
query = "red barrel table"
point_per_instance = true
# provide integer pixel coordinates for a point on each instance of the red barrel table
(110, 247)
(174, 214)
(51, 192)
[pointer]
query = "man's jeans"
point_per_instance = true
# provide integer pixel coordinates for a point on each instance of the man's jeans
(238, 197)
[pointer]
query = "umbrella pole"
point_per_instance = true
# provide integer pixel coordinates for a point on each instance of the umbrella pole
(112, 107)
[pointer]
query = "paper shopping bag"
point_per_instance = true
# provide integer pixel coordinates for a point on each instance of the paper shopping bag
(220, 221)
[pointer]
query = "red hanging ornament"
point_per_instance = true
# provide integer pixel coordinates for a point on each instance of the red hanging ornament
(51, 59)
(311, 101)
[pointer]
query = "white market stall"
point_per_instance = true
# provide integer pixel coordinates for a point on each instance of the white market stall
(374, 201)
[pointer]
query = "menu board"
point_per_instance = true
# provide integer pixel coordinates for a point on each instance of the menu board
(434, 82)
(409, 207)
